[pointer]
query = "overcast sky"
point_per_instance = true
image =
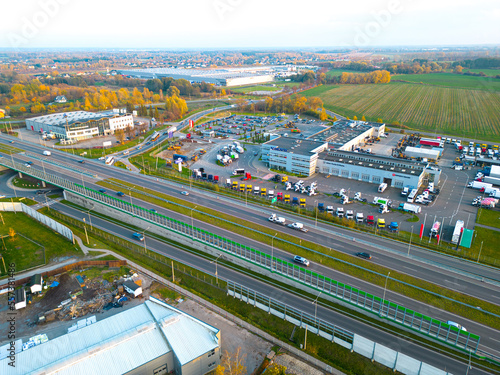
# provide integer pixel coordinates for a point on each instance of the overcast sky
(247, 23)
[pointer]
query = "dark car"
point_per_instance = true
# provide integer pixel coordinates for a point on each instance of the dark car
(364, 255)
(81, 161)
(120, 194)
(153, 211)
(102, 190)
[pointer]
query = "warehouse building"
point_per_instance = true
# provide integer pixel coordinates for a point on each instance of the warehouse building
(80, 125)
(423, 153)
(349, 134)
(152, 338)
(292, 155)
(372, 168)
(219, 77)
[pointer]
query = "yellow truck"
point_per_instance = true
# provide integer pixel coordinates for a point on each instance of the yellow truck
(263, 192)
(381, 223)
(287, 198)
(249, 188)
(235, 185)
(242, 188)
(302, 202)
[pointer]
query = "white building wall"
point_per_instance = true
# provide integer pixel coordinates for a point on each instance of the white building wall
(371, 175)
(121, 122)
(249, 80)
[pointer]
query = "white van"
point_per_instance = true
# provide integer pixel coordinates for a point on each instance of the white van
(47, 153)
(456, 325)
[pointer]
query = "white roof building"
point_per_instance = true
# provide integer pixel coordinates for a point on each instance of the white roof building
(150, 338)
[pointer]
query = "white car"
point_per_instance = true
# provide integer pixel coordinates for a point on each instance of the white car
(456, 325)
(301, 260)
(184, 192)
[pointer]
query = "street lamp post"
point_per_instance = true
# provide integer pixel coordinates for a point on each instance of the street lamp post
(481, 248)
(385, 288)
(144, 235)
(409, 244)
(216, 274)
(316, 208)
(272, 250)
(192, 222)
(85, 227)
(90, 221)
(315, 303)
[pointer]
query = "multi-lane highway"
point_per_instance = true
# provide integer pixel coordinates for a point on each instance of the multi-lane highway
(414, 350)
(388, 253)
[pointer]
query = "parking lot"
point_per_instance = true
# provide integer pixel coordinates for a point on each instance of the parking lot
(453, 202)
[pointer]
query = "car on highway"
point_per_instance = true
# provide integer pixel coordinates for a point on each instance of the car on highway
(120, 194)
(138, 236)
(102, 190)
(185, 192)
(301, 260)
(11, 141)
(81, 161)
(364, 255)
(153, 210)
(456, 325)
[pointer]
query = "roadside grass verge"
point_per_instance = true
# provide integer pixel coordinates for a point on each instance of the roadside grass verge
(488, 217)
(27, 251)
(26, 201)
(204, 285)
(401, 283)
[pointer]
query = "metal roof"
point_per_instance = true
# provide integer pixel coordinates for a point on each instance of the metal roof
(305, 147)
(63, 118)
(119, 343)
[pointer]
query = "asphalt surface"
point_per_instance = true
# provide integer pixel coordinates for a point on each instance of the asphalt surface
(427, 355)
(392, 254)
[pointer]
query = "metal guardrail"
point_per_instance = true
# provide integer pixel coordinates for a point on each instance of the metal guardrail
(368, 302)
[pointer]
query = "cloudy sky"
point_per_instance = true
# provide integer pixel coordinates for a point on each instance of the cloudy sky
(247, 23)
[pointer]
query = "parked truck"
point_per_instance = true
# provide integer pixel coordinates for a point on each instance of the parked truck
(435, 229)
(457, 231)
(359, 218)
(479, 185)
(408, 207)
(382, 187)
(380, 200)
(492, 180)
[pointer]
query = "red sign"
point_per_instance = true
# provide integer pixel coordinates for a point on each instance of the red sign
(421, 230)
(437, 236)
(191, 123)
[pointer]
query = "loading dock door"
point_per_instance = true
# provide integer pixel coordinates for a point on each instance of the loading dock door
(388, 181)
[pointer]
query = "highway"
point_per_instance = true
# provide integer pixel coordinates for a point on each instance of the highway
(331, 237)
(413, 350)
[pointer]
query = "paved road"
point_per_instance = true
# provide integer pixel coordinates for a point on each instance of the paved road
(354, 325)
(392, 254)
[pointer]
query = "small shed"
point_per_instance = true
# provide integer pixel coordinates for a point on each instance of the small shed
(20, 298)
(132, 288)
(208, 133)
(36, 283)
(80, 280)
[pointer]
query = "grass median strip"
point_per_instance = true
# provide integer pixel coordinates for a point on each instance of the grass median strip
(403, 284)
(204, 285)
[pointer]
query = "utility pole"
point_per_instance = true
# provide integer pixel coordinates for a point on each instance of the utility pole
(383, 298)
(85, 227)
(173, 274)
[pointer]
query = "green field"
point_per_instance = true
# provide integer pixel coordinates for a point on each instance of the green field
(451, 80)
(247, 89)
(456, 111)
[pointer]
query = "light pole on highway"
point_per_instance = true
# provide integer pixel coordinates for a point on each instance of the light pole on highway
(90, 221)
(272, 250)
(144, 235)
(192, 223)
(316, 209)
(409, 243)
(315, 303)
(85, 227)
(383, 298)
(481, 248)
(216, 274)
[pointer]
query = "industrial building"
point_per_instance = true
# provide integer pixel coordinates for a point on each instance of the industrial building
(80, 125)
(372, 168)
(331, 151)
(152, 338)
(292, 155)
(423, 153)
(221, 77)
(349, 134)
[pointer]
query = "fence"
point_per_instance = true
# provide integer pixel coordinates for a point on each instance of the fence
(367, 348)
(47, 221)
(353, 296)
